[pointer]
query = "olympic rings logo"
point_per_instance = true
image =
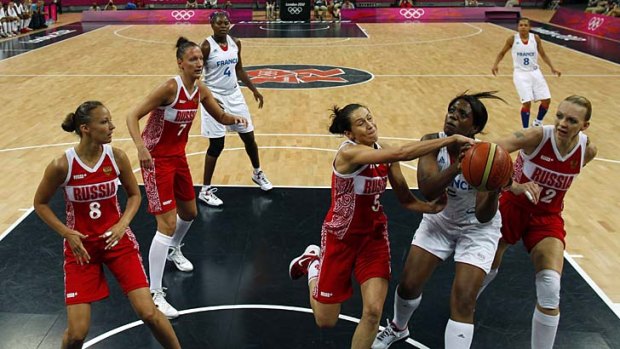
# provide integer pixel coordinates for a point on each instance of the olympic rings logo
(182, 15)
(595, 22)
(410, 13)
(294, 10)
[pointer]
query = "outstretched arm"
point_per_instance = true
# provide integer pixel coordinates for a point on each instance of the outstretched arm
(361, 155)
(431, 180)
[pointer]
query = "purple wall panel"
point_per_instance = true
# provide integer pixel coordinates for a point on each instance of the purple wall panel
(161, 16)
(594, 24)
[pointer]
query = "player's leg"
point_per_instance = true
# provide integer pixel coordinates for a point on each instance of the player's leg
(548, 259)
(207, 192)
(210, 128)
(373, 291)
(78, 323)
(542, 94)
(158, 254)
(428, 249)
(460, 328)
(497, 261)
(524, 85)
(186, 213)
(144, 307)
(251, 148)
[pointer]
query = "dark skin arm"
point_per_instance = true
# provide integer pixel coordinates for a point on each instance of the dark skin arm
(431, 180)
(243, 76)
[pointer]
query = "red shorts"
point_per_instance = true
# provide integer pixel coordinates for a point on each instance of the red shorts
(366, 255)
(519, 223)
(86, 283)
(167, 181)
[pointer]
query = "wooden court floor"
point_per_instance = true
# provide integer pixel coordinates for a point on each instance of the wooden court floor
(417, 69)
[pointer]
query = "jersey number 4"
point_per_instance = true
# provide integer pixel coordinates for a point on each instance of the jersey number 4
(227, 71)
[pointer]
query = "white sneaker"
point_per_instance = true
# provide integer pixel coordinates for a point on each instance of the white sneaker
(537, 123)
(207, 195)
(389, 336)
(163, 306)
(260, 179)
(175, 255)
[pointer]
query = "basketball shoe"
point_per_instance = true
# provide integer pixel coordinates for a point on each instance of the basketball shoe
(537, 123)
(389, 336)
(262, 181)
(207, 195)
(176, 256)
(299, 265)
(159, 298)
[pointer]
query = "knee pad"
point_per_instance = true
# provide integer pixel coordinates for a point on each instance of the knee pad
(548, 288)
(216, 145)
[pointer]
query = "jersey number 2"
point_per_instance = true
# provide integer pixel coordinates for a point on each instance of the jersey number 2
(549, 195)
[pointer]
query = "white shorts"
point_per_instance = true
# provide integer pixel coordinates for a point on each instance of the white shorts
(531, 85)
(473, 244)
(233, 104)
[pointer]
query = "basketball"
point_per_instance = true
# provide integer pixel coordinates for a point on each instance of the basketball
(487, 166)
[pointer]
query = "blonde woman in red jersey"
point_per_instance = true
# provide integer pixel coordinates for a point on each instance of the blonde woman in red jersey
(551, 157)
(161, 149)
(97, 232)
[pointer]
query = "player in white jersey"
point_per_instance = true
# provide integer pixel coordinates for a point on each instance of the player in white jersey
(469, 227)
(222, 69)
(527, 77)
(96, 231)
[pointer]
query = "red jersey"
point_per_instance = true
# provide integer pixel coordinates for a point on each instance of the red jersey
(90, 194)
(553, 172)
(355, 207)
(167, 128)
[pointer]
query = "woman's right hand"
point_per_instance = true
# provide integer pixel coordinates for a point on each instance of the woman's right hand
(462, 140)
(74, 238)
(146, 161)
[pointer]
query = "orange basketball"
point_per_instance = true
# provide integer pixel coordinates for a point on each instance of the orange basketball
(487, 166)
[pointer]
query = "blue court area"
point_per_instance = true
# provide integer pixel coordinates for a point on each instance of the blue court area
(240, 295)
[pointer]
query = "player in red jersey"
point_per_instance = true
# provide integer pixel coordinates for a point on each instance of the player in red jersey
(161, 149)
(354, 236)
(551, 156)
(97, 232)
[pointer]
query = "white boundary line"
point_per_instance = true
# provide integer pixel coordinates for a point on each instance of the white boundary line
(615, 308)
(130, 325)
(52, 44)
(16, 223)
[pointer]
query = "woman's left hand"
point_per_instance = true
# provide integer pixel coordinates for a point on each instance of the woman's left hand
(113, 235)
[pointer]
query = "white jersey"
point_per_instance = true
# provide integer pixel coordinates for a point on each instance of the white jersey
(219, 72)
(461, 207)
(525, 55)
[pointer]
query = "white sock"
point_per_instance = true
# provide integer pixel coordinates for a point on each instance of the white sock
(180, 231)
(458, 335)
(403, 309)
(487, 280)
(206, 187)
(257, 170)
(313, 270)
(544, 328)
(157, 259)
